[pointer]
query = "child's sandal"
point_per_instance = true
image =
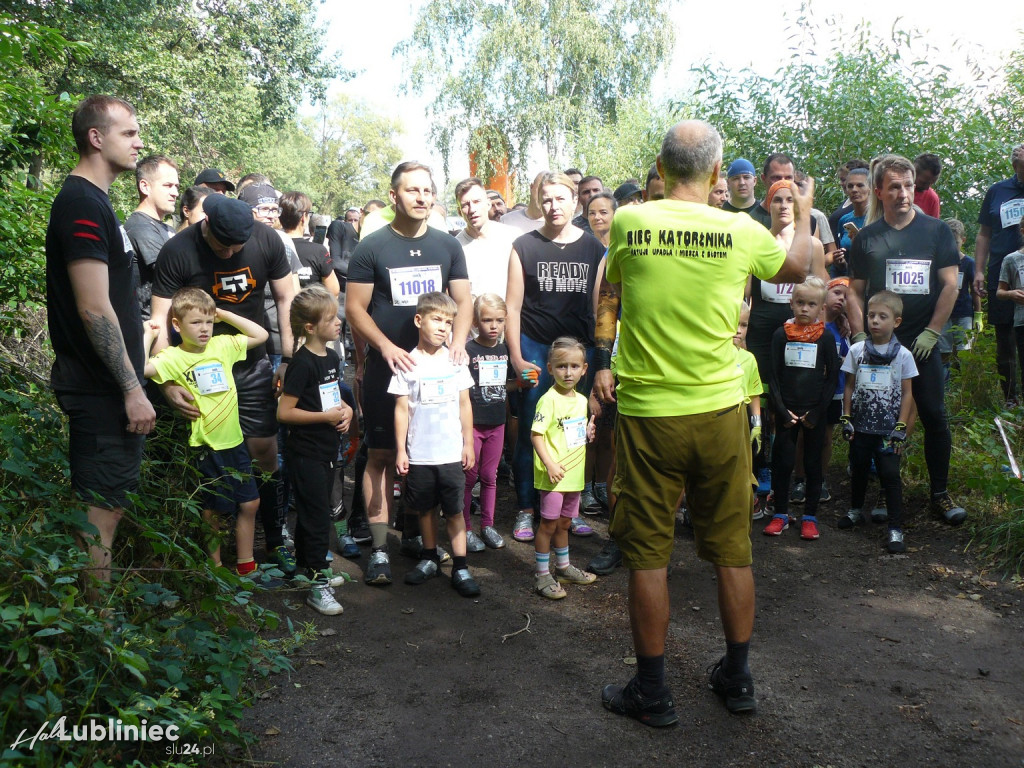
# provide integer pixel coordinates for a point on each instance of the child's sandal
(546, 586)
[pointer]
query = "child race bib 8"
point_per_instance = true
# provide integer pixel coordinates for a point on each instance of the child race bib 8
(210, 378)
(409, 283)
(907, 276)
(575, 432)
(330, 396)
(800, 354)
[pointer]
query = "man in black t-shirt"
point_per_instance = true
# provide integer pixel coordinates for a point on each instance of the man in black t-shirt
(156, 178)
(94, 322)
(916, 257)
(389, 270)
(232, 257)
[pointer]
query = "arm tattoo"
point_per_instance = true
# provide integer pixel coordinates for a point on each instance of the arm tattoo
(106, 339)
(607, 314)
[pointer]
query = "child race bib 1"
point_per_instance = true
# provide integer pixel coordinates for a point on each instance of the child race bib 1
(210, 379)
(777, 294)
(575, 432)
(492, 373)
(330, 396)
(907, 276)
(800, 354)
(876, 377)
(409, 283)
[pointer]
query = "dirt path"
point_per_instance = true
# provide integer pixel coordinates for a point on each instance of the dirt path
(859, 658)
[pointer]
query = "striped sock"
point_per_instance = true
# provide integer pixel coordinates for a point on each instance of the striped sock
(542, 558)
(561, 557)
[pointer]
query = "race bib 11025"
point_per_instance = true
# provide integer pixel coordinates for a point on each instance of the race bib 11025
(908, 276)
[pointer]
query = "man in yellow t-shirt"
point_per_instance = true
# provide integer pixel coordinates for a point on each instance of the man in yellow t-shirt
(680, 268)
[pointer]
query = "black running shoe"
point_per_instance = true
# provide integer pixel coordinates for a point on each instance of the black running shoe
(607, 560)
(629, 701)
(738, 692)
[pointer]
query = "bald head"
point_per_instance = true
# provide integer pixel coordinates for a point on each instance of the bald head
(690, 152)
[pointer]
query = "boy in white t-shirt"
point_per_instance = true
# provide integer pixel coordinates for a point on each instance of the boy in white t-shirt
(434, 439)
(877, 402)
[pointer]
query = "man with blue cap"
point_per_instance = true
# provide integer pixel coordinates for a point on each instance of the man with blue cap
(742, 179)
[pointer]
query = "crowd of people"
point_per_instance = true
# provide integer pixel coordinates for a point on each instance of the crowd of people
(676, 343)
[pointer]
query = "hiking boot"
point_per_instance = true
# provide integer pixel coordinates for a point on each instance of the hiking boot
(895, 544)
(852, 518)
(283, 558)
(321, 598)
(809, 530)
(546, 586)
(378, 572)
(523, 529)
(629, 701)
(573, 575)
(738, 691)
(491, 537)
(880, 513)
(943, 506)
(764, 480)
(589, 505)
(826, 494)
(607, 560)
(799, 493)
(474, 543)
(463, 583)
(424, 571)
(778, 524)
(578, 527)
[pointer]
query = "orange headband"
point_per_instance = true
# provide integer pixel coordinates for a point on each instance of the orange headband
(776, 187)
(838, 281)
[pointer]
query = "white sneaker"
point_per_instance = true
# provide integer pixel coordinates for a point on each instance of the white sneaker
(321, 598)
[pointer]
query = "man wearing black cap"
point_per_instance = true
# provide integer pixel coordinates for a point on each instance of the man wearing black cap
(233, 257)
(628, 193)
(94, 323)
(215, 180)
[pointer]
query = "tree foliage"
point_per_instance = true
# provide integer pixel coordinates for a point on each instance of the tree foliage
(871, 94)
(509, 74)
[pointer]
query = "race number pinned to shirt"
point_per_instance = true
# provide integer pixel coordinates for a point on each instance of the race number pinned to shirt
(777, 294)
(1011, 212)
(210, 379)
(908, 276)
(575, 432)
(800, 354)
(438, 389)
(959, 281)
(492, 372)
(330, 396)
(878, 377)
(409, 283)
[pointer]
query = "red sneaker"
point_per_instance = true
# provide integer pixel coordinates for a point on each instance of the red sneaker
(778, 524)
(809, 530)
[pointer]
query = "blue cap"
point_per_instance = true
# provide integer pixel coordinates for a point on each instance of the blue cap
(742, 165)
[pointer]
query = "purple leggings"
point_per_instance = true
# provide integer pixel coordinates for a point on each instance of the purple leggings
(488, 443)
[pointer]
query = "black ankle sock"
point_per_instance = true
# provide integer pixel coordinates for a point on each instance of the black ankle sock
(650, 673)
(736, 659)
(458, 563)
(430, 554)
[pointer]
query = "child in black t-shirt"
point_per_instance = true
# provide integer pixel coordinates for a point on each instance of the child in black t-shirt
(312, 406)
(804, 372)
(488, 363)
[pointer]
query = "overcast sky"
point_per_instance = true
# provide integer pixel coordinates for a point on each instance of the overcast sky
(752, 33)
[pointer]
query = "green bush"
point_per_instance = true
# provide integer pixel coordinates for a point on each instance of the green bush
(172, 641)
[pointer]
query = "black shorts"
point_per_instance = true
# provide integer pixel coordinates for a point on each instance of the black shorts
(430, 485)
(378, 404)
(105, 459)
(257, 407)
(227, 479)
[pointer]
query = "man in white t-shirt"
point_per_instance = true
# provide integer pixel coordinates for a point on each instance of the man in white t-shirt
(487, 244)
(533, 217)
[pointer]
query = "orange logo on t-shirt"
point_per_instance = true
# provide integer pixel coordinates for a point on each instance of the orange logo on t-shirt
(233, 286)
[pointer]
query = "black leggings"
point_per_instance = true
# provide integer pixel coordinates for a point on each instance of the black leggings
(862, 449)
(784, 458)
(312, 482)
(928, 388)
(1008, 351)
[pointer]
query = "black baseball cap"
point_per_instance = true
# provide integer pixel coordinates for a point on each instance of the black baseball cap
(625, 191)
(229, 220)
(213, 176)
